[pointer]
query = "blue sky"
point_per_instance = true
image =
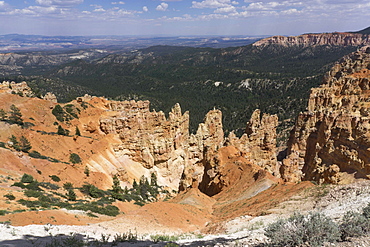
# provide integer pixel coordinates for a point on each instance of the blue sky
(182, 17)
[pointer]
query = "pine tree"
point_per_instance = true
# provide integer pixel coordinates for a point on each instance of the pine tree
(87, 171)
(15, 143)
(117, 191)
(2, 115)
(77, 133)
(24, 144)
(134, 185)
(15, 116)
(71, 195)
(62, 132)
(153, 179)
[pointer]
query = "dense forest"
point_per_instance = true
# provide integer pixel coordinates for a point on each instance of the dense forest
(236, 80)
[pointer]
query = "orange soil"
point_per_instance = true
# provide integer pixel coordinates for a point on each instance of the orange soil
(54, 217)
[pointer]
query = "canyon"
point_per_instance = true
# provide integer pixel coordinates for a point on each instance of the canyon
(211, 178)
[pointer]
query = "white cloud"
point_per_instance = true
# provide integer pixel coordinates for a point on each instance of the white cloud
(227, 9)
(59, 2)
(120, 2)
(162, 7)
(38, 11)
(290, 12)
(145, 9)
(213, 4)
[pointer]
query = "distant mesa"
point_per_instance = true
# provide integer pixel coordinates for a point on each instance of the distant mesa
(359, 38)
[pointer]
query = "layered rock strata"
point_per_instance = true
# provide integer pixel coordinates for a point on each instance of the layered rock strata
(307, 40)
(330, 142)
(163, 145)
(258, 144)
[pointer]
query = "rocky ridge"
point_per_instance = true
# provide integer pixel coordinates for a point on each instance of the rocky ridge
(16, 88)
(180, 160)
(309, 40)
(330, 141)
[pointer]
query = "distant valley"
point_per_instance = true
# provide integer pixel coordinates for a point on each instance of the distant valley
(274, 77)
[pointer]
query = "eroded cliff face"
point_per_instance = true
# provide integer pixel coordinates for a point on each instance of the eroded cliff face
(331, 141)
(258, 144)
(163, 145)
(306, 40)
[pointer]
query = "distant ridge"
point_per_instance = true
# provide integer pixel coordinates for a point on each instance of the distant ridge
(364, 31)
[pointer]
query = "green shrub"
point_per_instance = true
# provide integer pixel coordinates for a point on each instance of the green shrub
(10, 196)
(49, 186)
(20, 185)
(55, 178)
(354, 225)
(33, 186)
(68, 186)
(34, 154)
(163, 238)
(74, 158)
(3, 212)
(366, 211)
(125, 237)
(26, 178)
(314, 229)
(58, 112)
(33, 193)
(91, 190)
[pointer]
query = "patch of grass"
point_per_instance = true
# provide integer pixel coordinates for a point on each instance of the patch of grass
(125, 237)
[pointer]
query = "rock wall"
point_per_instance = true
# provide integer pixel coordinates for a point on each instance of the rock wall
(258, 144)
(306, 40)
(331, 141)
(164, 145)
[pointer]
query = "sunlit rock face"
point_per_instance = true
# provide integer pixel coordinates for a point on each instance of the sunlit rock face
(330, 142)
(309, 40)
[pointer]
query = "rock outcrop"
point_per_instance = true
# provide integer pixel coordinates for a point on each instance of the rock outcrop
(180, 160)
(21, 89)
(331, 141)
(50, 97)
(258, 144)
(307, 40)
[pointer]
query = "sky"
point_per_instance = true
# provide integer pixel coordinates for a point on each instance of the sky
(182, 17)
